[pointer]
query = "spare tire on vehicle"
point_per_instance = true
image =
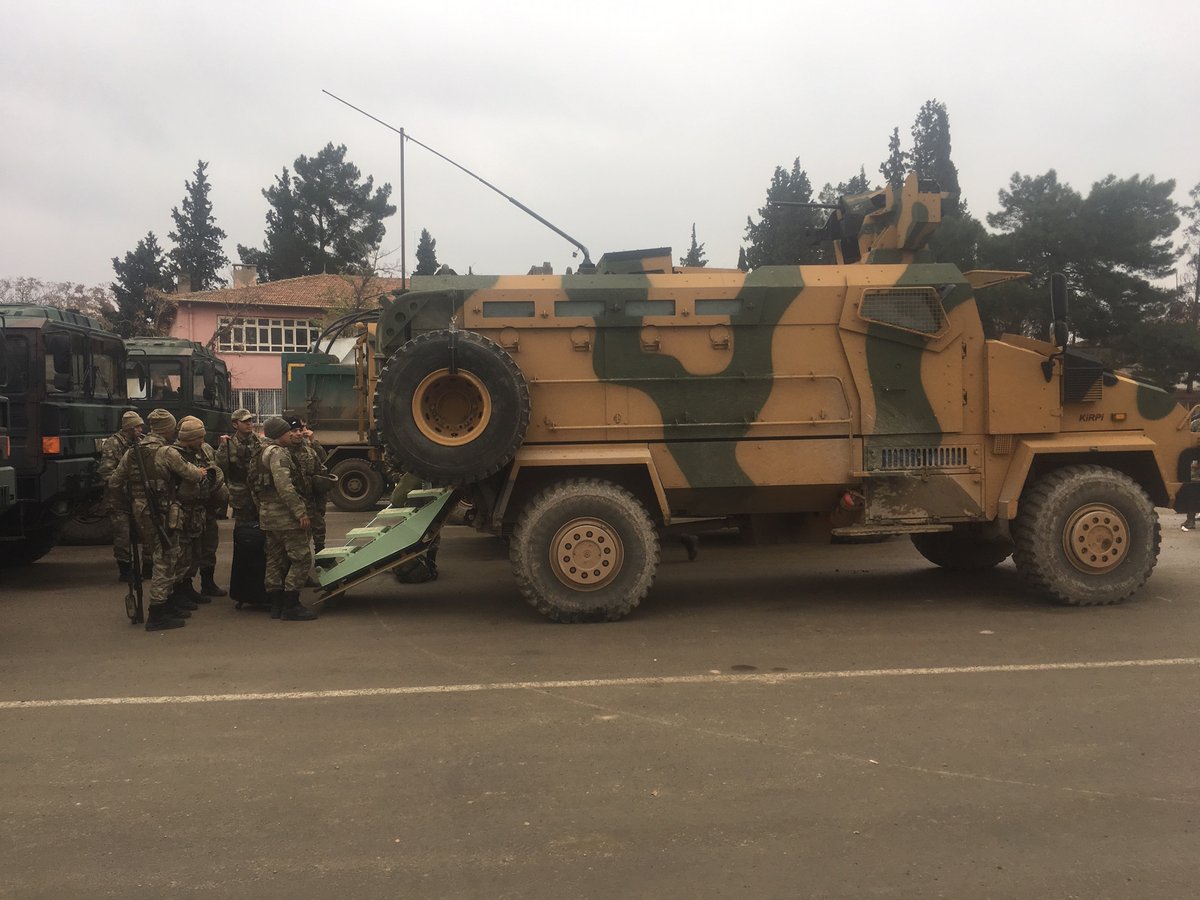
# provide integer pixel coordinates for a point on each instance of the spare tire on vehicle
(452, 407)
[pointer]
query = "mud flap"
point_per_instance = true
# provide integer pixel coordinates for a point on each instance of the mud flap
(395, 536)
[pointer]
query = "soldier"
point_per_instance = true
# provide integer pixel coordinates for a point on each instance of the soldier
(197, 534)
(284, 518)
(149, 476)
(311, 456)
(111, 451)
(233, 456)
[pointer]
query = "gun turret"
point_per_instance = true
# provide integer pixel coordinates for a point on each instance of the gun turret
(886, 226)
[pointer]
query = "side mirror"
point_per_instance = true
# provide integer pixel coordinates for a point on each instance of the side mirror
(1058, 309)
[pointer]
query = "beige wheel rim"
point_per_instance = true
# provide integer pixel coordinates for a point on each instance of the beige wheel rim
(451, 410)
(586, 554)
(1096, 538)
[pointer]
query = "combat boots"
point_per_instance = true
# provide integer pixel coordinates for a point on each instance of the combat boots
(123, 568)
(208, 587)
(189, 591)
(180, 603)
(159, 617)
(294, 610)
(276, 598)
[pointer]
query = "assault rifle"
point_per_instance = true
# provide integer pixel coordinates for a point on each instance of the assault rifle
(133, 597)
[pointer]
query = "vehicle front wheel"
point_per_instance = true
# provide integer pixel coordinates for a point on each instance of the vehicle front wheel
(584, 550)
(1086, 536)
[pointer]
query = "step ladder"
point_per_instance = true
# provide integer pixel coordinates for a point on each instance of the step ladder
(392, 538)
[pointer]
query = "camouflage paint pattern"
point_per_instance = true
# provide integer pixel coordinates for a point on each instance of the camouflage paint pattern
(782, 388)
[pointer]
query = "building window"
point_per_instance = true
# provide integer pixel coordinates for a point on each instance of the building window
(239, 335)
(263, 403)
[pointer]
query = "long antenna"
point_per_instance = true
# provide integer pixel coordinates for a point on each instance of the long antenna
(405, 136)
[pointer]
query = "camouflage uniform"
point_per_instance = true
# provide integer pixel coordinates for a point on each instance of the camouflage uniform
(198, 532)
(111, 451)
(310, 457)
(165, 471)
(277, 482)
(233, 456)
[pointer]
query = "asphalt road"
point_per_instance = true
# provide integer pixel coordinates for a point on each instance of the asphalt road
(788, 721)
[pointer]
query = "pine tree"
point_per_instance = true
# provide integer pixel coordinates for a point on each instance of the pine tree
(930, 155)
(1112, 245)
(783, 234)
(896, 166)
(284, 253)
(324, 218)
(144, 268)
(695, 254)
(427, 262)
(197, 252)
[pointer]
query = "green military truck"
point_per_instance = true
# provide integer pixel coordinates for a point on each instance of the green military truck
(337, 400)
(8, 475)
(585, 415)
(184, 378)
(181, 376)
(66, 388)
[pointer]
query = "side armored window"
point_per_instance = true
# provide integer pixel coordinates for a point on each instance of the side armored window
(917, 309)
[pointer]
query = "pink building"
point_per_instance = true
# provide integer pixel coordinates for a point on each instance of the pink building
(250, 325)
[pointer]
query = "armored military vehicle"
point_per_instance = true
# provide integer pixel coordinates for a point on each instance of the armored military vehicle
(584, 415)
(66, 388)
(183, 377)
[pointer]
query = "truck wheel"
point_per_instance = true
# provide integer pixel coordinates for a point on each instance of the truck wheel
(584, 550)
(359, 486)
(36, 544)
(1086, 536)
(452, 428)
(965, 549)
(87, 528)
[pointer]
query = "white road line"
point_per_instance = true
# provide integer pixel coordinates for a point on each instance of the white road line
(767, 678)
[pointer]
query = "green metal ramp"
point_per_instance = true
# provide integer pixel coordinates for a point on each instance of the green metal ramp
(393, 537)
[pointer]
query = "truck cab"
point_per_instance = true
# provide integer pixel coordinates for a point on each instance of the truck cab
(65, 388)
(184, 378)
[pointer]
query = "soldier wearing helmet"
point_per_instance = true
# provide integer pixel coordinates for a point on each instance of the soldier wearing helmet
(111, 451)
(148, 477)
(198, 535)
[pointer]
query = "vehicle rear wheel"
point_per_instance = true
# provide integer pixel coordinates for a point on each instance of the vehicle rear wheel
(36, 544)
(452, 407)
(1086, 536)
(965, 549)
(584, 550)
(359, 485)
(91, 527)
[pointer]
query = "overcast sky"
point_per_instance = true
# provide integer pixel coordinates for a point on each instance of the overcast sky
(621, 122)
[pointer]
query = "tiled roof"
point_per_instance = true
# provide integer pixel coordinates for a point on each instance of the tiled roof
(309, 291)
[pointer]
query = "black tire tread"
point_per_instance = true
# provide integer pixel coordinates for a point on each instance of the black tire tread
(522, 554)
(407, 461)
(1036, 547)
(962, 550)
(341, 501)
